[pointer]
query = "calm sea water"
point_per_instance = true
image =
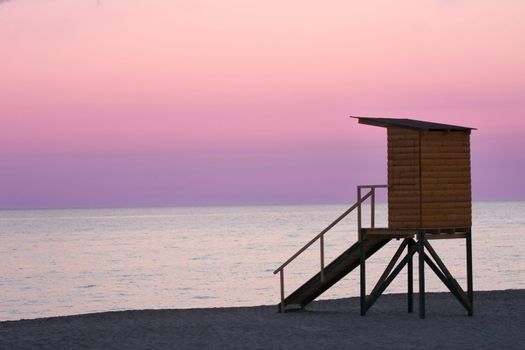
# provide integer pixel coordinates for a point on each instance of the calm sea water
(63, 262)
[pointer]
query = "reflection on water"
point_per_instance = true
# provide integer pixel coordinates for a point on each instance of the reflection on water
(62, 262)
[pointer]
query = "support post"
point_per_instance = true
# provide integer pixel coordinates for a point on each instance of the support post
(421, 251)
(362, 257)
(373, 207)
(362, 270)
(281, 275)
(410, 279)
(470, 284)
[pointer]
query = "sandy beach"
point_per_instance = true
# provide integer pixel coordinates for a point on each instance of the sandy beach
(498, 322)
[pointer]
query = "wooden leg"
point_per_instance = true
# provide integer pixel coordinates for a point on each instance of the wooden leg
(410, 279)
(421, 251)
(362, 270)
(470, 287)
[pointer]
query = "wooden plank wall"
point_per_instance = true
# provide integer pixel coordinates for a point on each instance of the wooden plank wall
(403, 179)
(445, 179)
(431, 188)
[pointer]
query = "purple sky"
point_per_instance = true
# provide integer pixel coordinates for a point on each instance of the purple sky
(163, 103)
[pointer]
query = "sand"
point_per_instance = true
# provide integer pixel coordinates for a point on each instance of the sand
(498, 322)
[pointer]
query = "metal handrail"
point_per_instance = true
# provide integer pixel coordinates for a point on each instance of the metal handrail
(312, 241)
(320, 236)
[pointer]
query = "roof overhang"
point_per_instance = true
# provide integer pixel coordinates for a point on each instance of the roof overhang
(412, 124)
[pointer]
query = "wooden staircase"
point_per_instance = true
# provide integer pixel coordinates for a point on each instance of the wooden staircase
(370, 240)
(333, 272)
(342, 265)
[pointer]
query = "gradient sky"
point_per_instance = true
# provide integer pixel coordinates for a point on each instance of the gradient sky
(203, 102)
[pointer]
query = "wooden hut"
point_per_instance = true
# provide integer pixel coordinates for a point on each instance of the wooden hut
(429, 197)
(429, 182)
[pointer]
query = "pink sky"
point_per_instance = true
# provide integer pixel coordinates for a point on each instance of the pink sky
(139, 103)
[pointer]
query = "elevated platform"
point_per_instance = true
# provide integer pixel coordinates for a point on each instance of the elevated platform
(416, 241)
(370, 240)
(430, 233)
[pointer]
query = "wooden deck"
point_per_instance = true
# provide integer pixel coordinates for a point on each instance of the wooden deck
(430, 233)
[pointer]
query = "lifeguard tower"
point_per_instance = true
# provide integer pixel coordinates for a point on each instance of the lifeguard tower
(429, 197)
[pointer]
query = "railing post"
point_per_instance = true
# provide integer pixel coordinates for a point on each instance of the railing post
(328, 228)
(372, 207)
(320, 236)
(282, 290)
(359, 211)
(322, 257)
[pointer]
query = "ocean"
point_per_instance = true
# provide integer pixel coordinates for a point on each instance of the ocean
(64, 262)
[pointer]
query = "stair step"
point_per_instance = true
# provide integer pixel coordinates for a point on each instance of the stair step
(333, 272)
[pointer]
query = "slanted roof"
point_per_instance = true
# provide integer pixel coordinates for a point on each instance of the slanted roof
(411, 124)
